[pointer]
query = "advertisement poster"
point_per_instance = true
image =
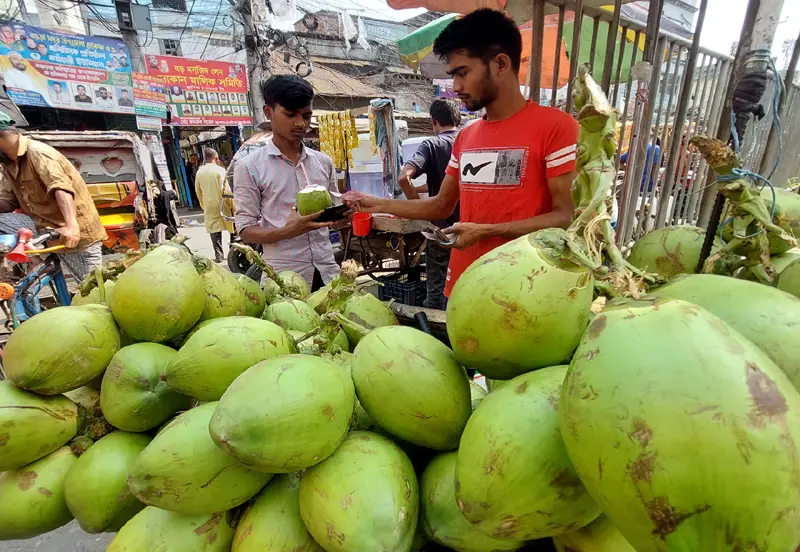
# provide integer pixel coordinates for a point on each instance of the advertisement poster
(150, 95)
(45, 68)
(203, 93)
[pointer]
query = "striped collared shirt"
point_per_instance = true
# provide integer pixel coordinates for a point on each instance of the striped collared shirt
(265, 185)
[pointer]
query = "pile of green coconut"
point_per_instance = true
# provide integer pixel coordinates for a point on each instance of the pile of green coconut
(188, 410)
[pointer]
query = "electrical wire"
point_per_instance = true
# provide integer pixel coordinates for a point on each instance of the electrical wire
(186, 23)
(213, 28)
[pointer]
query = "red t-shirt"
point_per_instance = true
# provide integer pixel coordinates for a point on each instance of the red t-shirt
(502, 169)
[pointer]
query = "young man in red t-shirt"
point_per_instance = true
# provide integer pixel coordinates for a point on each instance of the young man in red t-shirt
(512, 171)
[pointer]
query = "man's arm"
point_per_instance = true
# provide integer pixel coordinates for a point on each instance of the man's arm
(408, 172)
(559, 217)
(6, 206)
(438, 207)
(70, 232)
(247, 197)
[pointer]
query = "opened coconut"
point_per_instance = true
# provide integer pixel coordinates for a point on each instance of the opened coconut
(768, 317)
(255, 301)
(272, 523)
(292, 314)
(440, 517)
(513, 477)
(182, 470)
(160, 297)
(96, 488)
(33, 496)
(133, 395)
(683, 431)
(61, 349)
(33, 426)
(224, 296)
(218, 352)
(313, 199)
(363, 497)
(285, 414)
(155, 530)
(411, 385)
(519, 307)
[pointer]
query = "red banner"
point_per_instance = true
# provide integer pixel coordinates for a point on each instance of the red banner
(203, 93)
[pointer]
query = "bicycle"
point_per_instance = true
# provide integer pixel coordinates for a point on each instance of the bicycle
(21, 283)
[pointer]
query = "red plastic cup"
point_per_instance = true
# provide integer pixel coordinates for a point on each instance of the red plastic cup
(362, 223)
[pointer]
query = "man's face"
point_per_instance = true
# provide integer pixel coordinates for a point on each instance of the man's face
(103, 93)
(474, 81)
(81, 91)
(57, 88)
(17, 62)
(291, 125)
(42, 49)
(125, 94)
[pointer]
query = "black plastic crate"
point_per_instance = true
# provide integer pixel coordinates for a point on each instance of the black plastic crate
(409, 289)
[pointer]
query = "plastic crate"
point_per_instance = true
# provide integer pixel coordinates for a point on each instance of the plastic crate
(409, 289)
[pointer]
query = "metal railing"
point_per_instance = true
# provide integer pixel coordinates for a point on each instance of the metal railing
(663, 178)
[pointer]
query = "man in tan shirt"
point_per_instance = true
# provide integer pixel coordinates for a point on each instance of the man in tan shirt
(43, 183)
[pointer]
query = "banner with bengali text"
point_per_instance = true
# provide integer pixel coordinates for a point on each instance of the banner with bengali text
(150, 95)
(203, 93)
(46, 68)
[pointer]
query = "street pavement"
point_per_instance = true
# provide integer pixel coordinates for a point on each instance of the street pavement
(71, 538)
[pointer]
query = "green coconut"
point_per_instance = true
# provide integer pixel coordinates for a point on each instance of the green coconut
(272, 523)
(96, 488)
(476, 394)
(94, 295)
(217, 353)
(224, 296)
(272, 292)
(160, 297)
(319, 299)
(133, 396)
(33, 426)
(513, 477)
(410, 383)
(668, 251)
(787, 267)
(291, 278)
(285, 414)
(94, 425)
(313, 199)
(155, 530)
(61, 349)
(519, 307)
(307, 346)
(768, 317)
(598, 536)
(494, 385)
(683, 431)
(33, 496)
(292, 314)
(440, 517)
(367, 311)
(182, 470)
(255, 301)
(786, 215)
(363, 497)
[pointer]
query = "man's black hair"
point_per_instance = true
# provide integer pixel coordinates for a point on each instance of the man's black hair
(483, 34)
(289, 91)
(446, 113)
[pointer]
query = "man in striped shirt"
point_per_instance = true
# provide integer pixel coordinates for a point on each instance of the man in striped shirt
(512, 171)
(266, 182)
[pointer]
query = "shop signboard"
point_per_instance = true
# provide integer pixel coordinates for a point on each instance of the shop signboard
(45, 68)
(203, 93)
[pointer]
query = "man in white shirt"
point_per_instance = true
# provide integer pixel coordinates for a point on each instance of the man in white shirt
(17, 76)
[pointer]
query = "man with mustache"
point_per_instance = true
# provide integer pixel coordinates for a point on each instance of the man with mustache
(511, 171)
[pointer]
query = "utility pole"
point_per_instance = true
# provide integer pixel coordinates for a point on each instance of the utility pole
(137, 57)
(254, 15)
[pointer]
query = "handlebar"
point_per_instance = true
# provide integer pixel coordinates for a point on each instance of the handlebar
(48, 234)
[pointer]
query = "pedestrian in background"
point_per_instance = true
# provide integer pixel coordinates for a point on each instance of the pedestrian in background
(209, 183)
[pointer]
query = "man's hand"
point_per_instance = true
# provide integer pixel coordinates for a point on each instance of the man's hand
(70, 235)
(467, 233)
(297, 225)
(361, 203)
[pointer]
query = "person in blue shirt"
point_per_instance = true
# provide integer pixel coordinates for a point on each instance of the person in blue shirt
(653, 160)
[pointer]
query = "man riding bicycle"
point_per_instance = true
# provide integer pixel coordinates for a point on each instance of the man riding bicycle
(43, 183)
